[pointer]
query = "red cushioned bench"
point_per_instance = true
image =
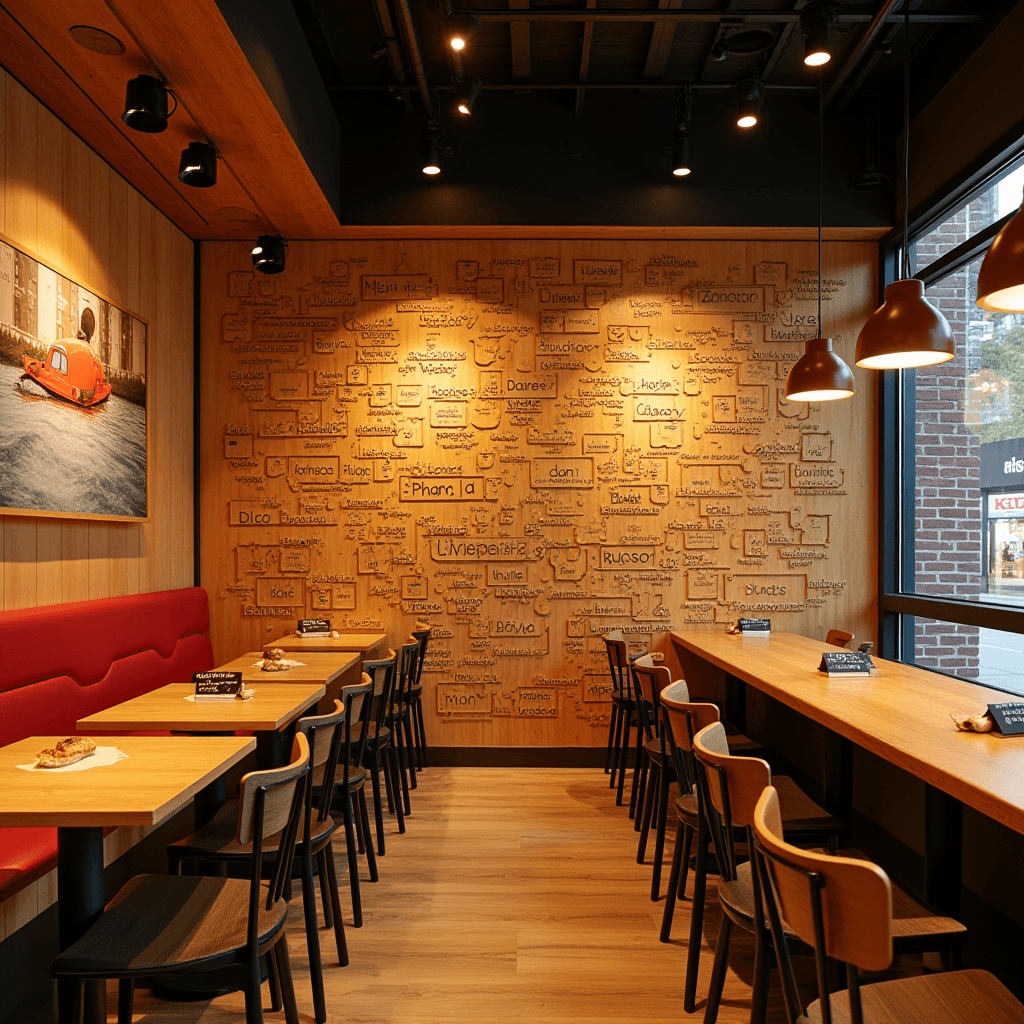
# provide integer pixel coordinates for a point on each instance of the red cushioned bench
(65, 661)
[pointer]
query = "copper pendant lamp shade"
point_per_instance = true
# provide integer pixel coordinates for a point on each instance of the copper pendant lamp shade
(819, 375)
(905, 331)
(1001, 278)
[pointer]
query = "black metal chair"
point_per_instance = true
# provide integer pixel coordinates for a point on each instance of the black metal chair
(419, 731)
(623, 713)
(381, 756)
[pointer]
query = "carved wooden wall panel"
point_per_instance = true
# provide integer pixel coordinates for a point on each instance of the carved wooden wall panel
(528, 444)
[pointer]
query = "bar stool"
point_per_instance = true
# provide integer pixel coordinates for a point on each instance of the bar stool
(732, 787)
(422, 634)
(842, 909)
(623, 712)
(400, 719)
(381, 757)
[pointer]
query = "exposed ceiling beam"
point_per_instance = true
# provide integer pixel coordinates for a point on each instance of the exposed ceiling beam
(762, 17)
(662, 36)
(407, 27)
(387, 27)
(588, 39)
(520, 31)
(780, 44)
(863, 47)
(620, 86)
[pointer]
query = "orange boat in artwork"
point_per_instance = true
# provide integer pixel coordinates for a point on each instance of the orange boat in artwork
(70, 371)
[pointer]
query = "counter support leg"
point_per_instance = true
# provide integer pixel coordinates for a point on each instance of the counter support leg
(837, 776)
(943, 850)
(80, 903)
(736, 703)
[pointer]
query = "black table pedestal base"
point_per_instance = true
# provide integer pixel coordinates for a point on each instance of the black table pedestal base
(80, 903)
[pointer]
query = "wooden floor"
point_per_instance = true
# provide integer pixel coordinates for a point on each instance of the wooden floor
(514, 896)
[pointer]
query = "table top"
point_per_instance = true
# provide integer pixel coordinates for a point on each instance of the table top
(901, 713)
(317, 667)
(362, 642)
(273, 707)
(159, 776)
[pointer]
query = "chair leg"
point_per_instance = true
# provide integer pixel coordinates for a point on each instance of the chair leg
(718, 971)
(398, 775)
(125, 1000)
(316, 970)
(402, 763)
(673, 885)
(423, 732)
(645, 825)
(371, 857)
(339, 925)
(761, 980)
(353, 861)
(641, 736)
(696, 919)
(639, 790)
(284, 966)
(254, 994)
(378, 810)
(321, 871)
(623, 757)
(611, 742)
(659, 836)
(274, 984)
(617, 743)
(410, 749)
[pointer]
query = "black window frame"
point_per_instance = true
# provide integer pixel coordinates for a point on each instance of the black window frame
(896, 434)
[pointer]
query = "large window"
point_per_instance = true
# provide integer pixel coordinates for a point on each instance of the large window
(953, 510)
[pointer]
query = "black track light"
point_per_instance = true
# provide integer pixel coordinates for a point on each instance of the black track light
(815, 21)
(681, 151)
(749, 94)
(198, 166)
(145, 104)
(720, 48)
(431, 150)
(460, 30)
(466, 95)
(269, 254)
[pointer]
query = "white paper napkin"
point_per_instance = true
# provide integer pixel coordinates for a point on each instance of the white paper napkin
(99, 758)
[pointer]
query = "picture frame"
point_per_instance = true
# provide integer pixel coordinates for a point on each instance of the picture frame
(74, 403)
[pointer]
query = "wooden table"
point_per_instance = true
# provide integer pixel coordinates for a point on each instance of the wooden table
(268, 714)
(160, 775)
(365, 643)
(901, 714)
(334, 670)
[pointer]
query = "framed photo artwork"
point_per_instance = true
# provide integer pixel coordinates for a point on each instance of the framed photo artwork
(73, 414)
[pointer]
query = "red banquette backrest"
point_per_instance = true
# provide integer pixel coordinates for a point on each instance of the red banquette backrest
(62, 662)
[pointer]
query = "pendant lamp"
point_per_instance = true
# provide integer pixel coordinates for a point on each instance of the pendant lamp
(1001, 278)
(906, 330)
(819, 375)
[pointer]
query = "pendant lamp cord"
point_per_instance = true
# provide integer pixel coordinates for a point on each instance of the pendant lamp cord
(905, 256)
(821, 188)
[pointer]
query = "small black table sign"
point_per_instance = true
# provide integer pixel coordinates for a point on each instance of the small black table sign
(755, 627)
(846, 663)
(217, 685)
(314, 627)
(1009, 718)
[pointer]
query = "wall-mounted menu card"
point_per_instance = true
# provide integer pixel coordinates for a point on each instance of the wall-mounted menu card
(217, 685)
(1009, 718)
(755, 627)
(846, 663)
(314, 627)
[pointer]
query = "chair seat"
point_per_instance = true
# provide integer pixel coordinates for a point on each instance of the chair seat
(167, 923)
(957, 997)
(686, 808)
(913, 924)
(217, 838)
(799, 812)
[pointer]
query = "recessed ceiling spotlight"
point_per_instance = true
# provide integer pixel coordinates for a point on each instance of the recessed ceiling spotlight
(97, 40)
(198, 166)
(145, 104)
(749, 94)
(269, 254)
(460, 30)
(466, 95)
(815, 20)
(750, 41)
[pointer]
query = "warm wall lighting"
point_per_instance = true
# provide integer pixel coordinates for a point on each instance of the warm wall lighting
(1001, 278)
(466, 95)
(198, 166)
(269, 254)
(749, 94)
(815, 21)
(460, 30)
(145, 104)
(819, 375)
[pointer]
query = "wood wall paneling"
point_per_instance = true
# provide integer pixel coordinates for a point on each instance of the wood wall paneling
(60, 202)
(529, 444)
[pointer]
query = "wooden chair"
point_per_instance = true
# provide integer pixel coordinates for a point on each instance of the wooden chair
(419, 732)
(733, 786)
(843, 909)
(381, 756)
(654, 758)
(838, 637)
(194, 924)
(623, 712)
(400, 718)
(217, 842)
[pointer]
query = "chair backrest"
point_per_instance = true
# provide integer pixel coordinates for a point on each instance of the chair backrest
(358, 700)
(838, 637)
(841, 907)
(408, 659)
(650, 680)
(382, 672)
(325, 735)
(618, 662)
(735, 784)
(422, 634)
(272, 802)
(685, 719)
